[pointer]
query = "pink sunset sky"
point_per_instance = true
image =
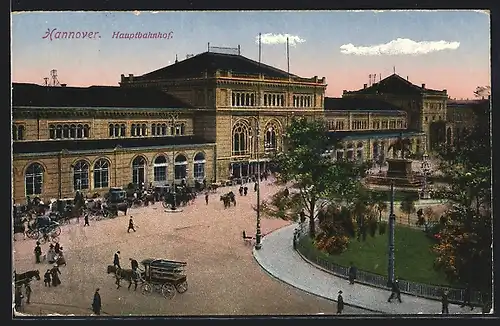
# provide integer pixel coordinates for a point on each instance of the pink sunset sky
(443, 49)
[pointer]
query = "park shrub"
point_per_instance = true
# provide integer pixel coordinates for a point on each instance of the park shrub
(382, 227)
(333, 245)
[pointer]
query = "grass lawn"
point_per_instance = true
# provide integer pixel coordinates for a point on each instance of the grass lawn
(413, 262)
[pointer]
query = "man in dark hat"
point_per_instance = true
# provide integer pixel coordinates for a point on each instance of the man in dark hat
(96, 303)
(130, 225)
(340, 303)
(395, 293)
(38, 252)
(444, 303)
(116, 259)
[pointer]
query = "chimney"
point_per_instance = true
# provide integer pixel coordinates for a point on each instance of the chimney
(130, 77)
(423, 85)
(122, 78)
(364, 86)
(407, 78)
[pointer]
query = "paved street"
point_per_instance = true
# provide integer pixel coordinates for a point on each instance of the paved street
(223, 276)
(279, 259)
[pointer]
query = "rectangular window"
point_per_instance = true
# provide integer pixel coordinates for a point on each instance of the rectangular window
(199, 171)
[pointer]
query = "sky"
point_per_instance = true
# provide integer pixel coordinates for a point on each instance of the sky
(443, 49)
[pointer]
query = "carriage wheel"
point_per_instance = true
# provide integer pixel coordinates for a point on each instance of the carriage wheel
(146, 289)
(165, 204)
(33, 234)
(54, 239)
(168, 291)
(182, 287)
(57, 231)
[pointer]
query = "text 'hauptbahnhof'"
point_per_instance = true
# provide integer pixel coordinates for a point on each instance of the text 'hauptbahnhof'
(201, 119)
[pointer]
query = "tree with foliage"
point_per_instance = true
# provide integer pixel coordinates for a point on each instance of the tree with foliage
(407, 206)
(336, 226)
(465, 240)
(482, 91)
(380, 201)
(283, 205)
(314, 174)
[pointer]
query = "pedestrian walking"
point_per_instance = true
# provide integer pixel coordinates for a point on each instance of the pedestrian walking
(135, 266)
(96, 303)
(46, 278)
(130, 225)
(352, 273)
(38, 252)
(55, 275)
(27, 288)
(396, 293)
(245, 191)
(206, 197)
(57, 247)
(86, 220)
(467, 298)
(240, 190)
(340, 303)
(51, 254)
(444, 303)
(255, 186)
(116, 259)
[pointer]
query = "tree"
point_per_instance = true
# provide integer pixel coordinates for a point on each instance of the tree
(482, 91)
(379, 199)
(408, 206)
(465, 246)
(314, 174)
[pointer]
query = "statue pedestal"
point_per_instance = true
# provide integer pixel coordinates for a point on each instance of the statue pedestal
(400, 171)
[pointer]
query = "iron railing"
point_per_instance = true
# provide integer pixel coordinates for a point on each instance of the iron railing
(455, 295)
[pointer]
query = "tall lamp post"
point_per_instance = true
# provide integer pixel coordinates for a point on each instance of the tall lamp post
(173, 207)
(425, 170)
(392, 224)
(258, 234)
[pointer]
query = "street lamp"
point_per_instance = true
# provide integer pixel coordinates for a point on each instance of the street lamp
(173, 207)
(392, 224)
(425, 170)
(258, 234)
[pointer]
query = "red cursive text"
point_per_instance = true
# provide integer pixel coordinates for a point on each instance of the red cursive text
(54, 34)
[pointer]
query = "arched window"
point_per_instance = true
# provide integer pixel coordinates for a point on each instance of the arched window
(359, 152)
(247, 99)
(101, 174)
(270, 142)
(144, 130)
(180, 167)
(183, 128)
(265, 99)
(240, 136)
(252, 99)
(86, 131)
(233, 99)
(111, 130)
(138, 170)
(81, 175)
(238, 103)
(79, 131)
(282, 100)
(153, 129)
(72, 131)
(66, 131)
(117, 130)
(199, 167)
(133, 130)
(59, 132)
(52, 131)
(123, 129)
(163, 129)
(33, 179)
(160, 167)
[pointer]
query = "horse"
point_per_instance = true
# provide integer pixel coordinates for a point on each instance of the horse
(118, 207)
(125, 274)
(26, 277)
(228, 199)
(147, 198)
(213, 187)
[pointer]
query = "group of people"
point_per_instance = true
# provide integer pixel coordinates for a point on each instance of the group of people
(134, 265)
(54, 254)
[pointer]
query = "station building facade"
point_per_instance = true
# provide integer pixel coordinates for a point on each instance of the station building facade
(211, 116)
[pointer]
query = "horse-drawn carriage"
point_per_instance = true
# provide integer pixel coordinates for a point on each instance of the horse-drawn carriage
(165, 276)
(43, 228)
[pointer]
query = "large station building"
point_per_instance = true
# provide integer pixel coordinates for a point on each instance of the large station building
(205, 117)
